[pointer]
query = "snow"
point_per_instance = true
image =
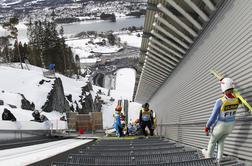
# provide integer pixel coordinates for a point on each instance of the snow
(22, 81)
(125, 82)
(12, 3)
(26, 82)
(31, 154)
(22, 33)
(134, 109)
(21, 25)
(119, 15)
(86, 18)
(17, 81)
(83, 49)
(88, 60)
(131, 39)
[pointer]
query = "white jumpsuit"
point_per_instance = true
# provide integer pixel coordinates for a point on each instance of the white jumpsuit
(222, 120)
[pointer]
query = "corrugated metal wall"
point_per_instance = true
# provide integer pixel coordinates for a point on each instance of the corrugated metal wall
(185, 101)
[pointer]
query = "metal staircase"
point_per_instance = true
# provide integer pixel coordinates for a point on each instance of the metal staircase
(154, 151)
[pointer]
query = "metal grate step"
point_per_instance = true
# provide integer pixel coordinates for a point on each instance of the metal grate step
(132, 152)
(134, 144)
(131, 147)
(128, 150)
(126, 160)
(230, 161)
(130, 142)
(134, 141)
(201, 162)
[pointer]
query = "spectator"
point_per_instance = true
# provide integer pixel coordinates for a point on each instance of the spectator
(63, 118)
(7, 115)
(52, 68)
(46, 122)
(43, 118)
(36, 116)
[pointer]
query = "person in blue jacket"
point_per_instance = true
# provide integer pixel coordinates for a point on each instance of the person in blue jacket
(52, 67)
(117, 121)
(222, 119)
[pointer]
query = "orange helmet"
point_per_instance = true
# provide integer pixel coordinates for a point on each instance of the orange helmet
(118, 108)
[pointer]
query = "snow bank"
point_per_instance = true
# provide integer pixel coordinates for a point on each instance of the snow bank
(16, 81)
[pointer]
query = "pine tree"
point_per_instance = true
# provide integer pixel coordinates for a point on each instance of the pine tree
(4, 42)
(35, 34)
(6, 54)
(61, 32)
(71, 61)
(22, 54)
(44, 38)
(10, 26)
(16, 53)
(111, 39)
(77, 62)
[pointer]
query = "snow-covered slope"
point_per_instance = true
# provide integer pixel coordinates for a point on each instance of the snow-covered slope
(26, 82)
(125, 81)
(15, 81)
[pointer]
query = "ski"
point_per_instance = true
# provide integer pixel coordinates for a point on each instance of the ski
(236, 92)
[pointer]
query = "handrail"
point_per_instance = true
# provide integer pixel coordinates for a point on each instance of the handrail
(238, 119)
(26, 125)
(177, 124)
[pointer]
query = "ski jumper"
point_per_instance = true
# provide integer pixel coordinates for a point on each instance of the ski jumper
(117, 123)
(222, 120)
(146, 119)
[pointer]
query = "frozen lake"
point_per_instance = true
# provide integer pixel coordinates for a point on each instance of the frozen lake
(77, 27)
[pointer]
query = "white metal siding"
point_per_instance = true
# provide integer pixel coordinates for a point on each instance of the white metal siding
(185, 101)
